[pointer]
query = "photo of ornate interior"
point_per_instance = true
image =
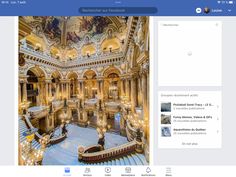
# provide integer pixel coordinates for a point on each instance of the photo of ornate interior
(83, 90)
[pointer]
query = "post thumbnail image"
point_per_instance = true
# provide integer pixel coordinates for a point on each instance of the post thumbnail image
(83, 90)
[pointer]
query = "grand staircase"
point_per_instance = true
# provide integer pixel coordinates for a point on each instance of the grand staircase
(23, 128)
(131, 159)
(71, 159)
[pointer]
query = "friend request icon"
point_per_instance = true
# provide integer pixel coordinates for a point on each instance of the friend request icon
(87, 170)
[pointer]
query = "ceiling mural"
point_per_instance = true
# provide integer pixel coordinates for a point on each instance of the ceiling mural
(47, 25)
(90, 26)
(76, 27)
(50, 27)
(63, 34)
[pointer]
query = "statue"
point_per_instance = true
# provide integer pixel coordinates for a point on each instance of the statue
(65, 104)
(64, 130)
(139, 143)
(86, 40)
(101, 140)
(109, 34)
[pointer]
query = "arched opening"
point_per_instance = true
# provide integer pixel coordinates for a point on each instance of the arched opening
(112, 97)
(56, 89)
(90, 84)
(110, 45)
(112, 85)
(35, 76)
(88, 50)
(73, 85)
(32, 88)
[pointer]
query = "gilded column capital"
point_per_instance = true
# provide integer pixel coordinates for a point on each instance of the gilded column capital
(64, 81)
(81, 80)
(123, 76)
(23, 78)
(134, 72)
(48, 80)
(100, 78)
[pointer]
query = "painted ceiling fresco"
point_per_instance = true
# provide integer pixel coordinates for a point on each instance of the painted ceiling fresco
(64, 35)
(90, 26)
(76, 27)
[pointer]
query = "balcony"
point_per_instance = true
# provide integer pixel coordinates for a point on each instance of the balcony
(57, 105)
(83, 61)
(38, 111)
(73, 103)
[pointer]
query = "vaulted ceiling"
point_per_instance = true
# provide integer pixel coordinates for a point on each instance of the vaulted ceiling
(68, 37)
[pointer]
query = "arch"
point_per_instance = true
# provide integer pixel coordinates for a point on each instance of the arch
(37, 70)
(36, 42)
(72, 74)
(89, 72)
(111, 69)
(88, 50)
(72, 54)
(56, 74)
(112, 44)
(55, 52)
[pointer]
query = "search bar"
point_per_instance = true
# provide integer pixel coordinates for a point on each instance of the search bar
(118, 10)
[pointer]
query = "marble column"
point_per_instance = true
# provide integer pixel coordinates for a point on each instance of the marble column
(127, 89)
(122, 88)
(71, 87)
(50, 89)
(19, 93)
(104, 117)
(85, 116)
(98, 88)
(144, 95)
(70, 91)
(46, 92)
(75, 86)
(57, 91)
(67, 90)
(83, 89)
(61, 90)
(80, 88)
(64, 90)
(38, 97)
(40, 92)
(102, 90)
(140, 90)
(133, 93)
(25, 91)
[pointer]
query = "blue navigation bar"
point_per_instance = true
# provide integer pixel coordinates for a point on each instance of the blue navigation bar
(118, 7)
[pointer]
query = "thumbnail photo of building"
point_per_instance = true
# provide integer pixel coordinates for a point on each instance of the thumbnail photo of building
(83, 91)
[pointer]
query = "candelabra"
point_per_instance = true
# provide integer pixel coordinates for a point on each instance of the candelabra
(29, 155)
